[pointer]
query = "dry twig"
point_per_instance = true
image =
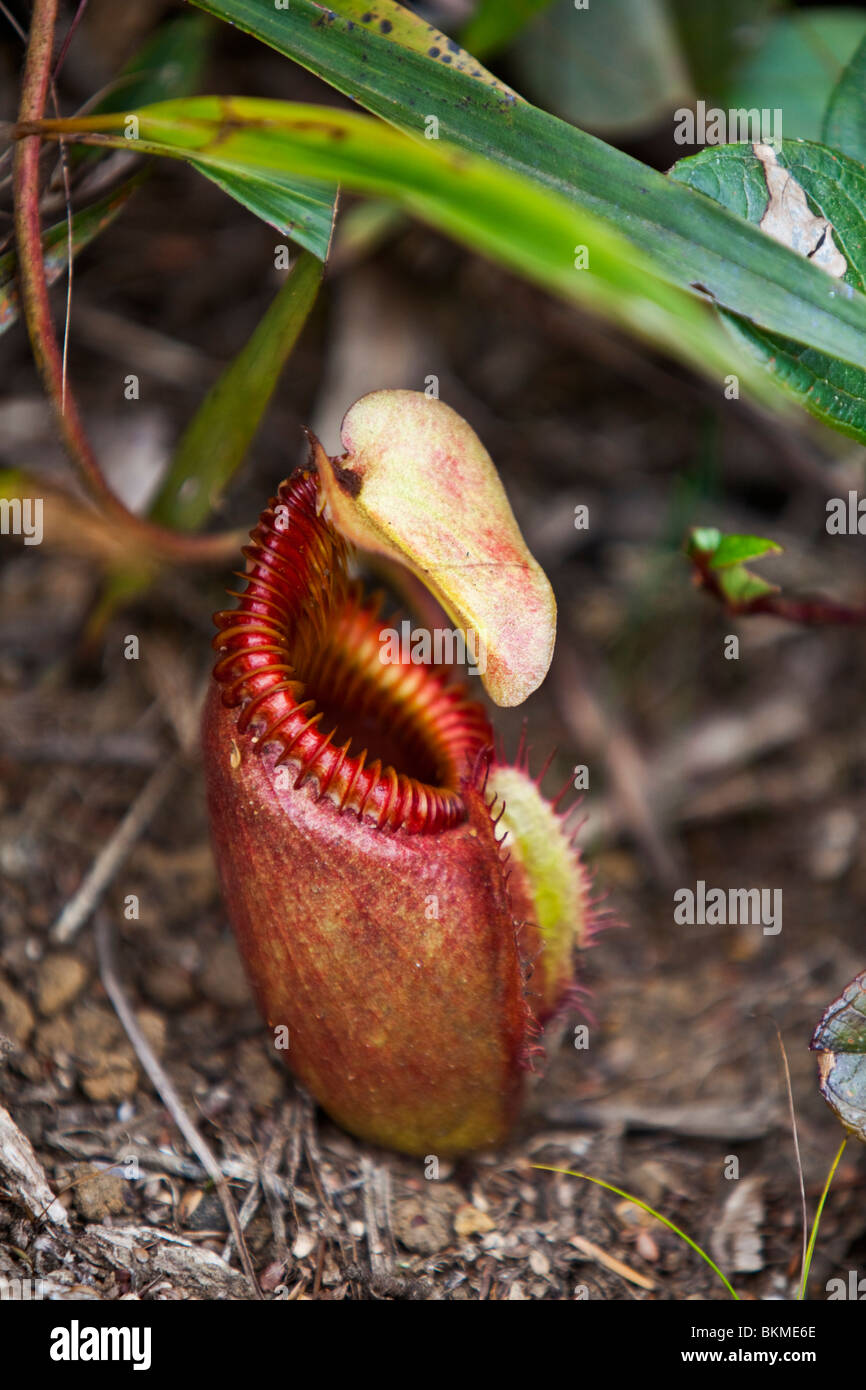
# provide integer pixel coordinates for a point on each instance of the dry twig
(114, 853)
(25, 1173)
(170, 1098)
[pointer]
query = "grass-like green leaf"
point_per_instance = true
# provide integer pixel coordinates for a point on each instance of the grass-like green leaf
(170, 64)
(832, 389)
(810, 1251)
(644, 1206)
(216, 441)
(492, 209)
(388, 64)
(300, 209)
(87, 223)
(845, 117)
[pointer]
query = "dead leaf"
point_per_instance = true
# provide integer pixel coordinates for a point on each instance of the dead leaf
(736, 1243)
(788, 218)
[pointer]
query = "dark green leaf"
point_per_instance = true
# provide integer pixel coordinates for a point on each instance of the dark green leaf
(302, 209)
(687, 239)
(831, 389)
(492, 209)
(170, 64)
(217, 440)
(845, 119)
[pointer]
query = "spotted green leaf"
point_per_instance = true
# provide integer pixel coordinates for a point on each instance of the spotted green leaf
(391, 61)
(493, 209)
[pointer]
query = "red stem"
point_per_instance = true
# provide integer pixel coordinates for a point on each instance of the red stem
(811, 612)
(157, 540)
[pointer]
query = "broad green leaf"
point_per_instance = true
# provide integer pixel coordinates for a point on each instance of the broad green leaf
(496, 22)
(720, 550)
(719, 568)
(739, 586)
(86, 224)
(687, 239)
(835, 189)
(302, 209)
(845, 118)
(720, 559)
(564, 59)
(217, 440)
(796, 69)
(840, 1041)
(735, 550)
(491, 209)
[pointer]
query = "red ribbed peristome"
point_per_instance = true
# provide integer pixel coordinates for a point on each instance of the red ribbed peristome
(300, 658)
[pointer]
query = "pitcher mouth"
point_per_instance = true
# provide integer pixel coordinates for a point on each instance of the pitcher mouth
(301, 653)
